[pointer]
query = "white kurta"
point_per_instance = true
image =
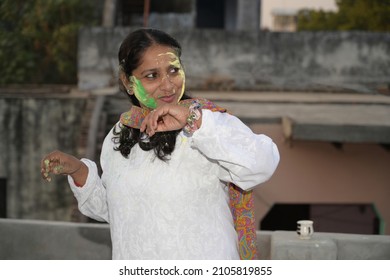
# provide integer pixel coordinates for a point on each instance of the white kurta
(177, 209)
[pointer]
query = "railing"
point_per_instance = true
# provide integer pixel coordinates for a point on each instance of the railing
(47, 240)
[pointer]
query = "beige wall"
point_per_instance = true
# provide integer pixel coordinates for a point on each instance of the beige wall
(316, 172)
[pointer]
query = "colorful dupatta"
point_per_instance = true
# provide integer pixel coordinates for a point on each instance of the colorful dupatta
(241, 202)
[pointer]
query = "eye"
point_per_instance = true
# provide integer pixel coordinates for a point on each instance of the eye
(151, 76)
(174, 70)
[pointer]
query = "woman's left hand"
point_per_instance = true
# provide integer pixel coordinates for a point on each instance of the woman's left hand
(165, 118)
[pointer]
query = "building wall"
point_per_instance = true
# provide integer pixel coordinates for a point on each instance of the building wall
(243, 60)
(313, 172)
(30, 128)
(248, 15)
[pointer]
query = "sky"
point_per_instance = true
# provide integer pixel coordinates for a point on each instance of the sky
(268, 5)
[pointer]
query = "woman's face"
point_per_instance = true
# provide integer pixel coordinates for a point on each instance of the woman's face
(159, 79)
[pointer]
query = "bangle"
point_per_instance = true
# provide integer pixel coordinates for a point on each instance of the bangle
(194, 115)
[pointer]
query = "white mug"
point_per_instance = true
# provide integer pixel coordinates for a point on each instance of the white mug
(305, 229)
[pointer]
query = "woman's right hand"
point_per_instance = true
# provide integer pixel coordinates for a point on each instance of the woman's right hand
(58, 162)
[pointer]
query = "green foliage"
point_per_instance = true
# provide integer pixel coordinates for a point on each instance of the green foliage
(363, 15)
(38, 39)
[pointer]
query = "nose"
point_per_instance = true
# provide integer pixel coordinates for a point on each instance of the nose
(166, 83)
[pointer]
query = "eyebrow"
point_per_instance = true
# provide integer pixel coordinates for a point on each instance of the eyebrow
(157, 69)
(149, 70)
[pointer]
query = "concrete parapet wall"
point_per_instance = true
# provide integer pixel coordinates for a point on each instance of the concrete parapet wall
(244, 60)
(29, 239)
(44, 240)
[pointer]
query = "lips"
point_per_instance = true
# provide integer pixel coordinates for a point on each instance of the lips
(168, 98)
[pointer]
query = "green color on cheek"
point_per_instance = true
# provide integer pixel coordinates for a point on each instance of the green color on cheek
(141, 94)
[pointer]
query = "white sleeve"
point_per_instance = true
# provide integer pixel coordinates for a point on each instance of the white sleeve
(91, 197)
(246, 159)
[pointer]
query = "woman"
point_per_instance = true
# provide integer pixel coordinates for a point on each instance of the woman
(167, 163)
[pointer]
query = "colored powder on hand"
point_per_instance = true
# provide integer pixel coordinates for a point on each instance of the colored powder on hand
(47, 169)
(58, 169)
(47, 165)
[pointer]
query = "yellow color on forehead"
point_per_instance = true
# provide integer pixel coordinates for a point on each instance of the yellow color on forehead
(168, 53)
(168, 56)
(156, 55)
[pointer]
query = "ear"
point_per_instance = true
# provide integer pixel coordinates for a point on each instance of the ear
(125, 82)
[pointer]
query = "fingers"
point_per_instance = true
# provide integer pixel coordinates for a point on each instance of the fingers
(45, 169)
(51, 164)
(149, 125)
(164, 118)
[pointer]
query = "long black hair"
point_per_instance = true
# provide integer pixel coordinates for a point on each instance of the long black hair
(130, 53)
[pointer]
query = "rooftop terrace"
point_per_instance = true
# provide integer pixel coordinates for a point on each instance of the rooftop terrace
(33, 239)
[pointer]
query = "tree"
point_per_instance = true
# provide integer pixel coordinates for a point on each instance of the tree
(38, 39)
(363, 15)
